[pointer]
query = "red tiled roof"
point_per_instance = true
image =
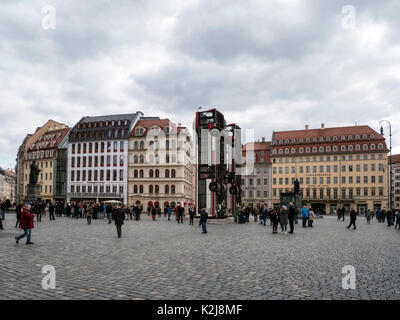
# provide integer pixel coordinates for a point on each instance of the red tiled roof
(162, 123)
(257, 147)
(329, 132)
(395, 158)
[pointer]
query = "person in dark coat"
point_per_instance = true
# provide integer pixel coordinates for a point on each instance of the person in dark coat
(18, 211)
(26, 224)
(119, 216)
(291, 216)
(353, 218)
(51, 211)
(153, 213)
(180, 213)
(203, 220)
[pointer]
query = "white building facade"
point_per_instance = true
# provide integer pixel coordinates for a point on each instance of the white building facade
(98, 158)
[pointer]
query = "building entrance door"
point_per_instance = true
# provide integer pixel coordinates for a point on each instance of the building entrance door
(362, 209)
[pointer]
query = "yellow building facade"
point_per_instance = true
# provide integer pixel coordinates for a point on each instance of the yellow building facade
(336, 167)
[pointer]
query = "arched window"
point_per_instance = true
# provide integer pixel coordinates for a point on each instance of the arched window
(274, 151)
(343, 148)
(135, 189)
(151, 188)
(287, 151)
(328, 149)
(321, 139)
(135, 174)
(151, 173)
(281, 141)
(308, 150)
(135, 159)
(142, 145)
(301, 150)
(287, 141)
(380, 146)
(141, 189)
(167, 189)
(167, 158)
(167, 173)
(373, 147)
(321, 149)
(173, 173)
(335, 148)
(293, 150)
(136, 145)
(280, 151)
(314, 139)
(157, 173)
(172, 189)
(157, 189)
(358, 147)
(141, 173)
(350, 148)
(314, 149)
(365, 147)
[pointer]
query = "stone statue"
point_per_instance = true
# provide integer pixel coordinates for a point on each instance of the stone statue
(33, 176)
(297, 186)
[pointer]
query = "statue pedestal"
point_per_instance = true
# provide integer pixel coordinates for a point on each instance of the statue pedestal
(32, 193)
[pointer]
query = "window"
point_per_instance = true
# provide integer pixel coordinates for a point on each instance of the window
(173, 173)
(172, 189)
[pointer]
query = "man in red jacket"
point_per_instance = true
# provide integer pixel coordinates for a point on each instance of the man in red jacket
(26, 224)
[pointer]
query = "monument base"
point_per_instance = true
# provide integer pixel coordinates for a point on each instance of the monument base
(32, 193)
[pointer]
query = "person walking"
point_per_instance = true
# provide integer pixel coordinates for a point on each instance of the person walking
(203, 220)
(18, 211)
(26, 224)
(291, 216)
(153, 212)
(353, 218)
(118, 215)
(368, 216)
(343, 213)
(311, 217)
(89, 214)
(389, 216)
(191, 215)
(51, 211)
(397, 220)
(283, 218)
(169, 213)
(3, 210)
(304, 216)
(273, 216)
(37, 209)
(180, 213)
(109, 211)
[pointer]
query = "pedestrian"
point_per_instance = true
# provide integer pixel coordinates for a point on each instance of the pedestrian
(291, 216)
(153, 211)
(37, 209)
(353, 218)
(389, 217)
(304, 216)
(26, 224)
(203, 220)
(51, 211)
(369, 214)
(339, 212)
(191, 215)
(3, 210)
(283, 217)
(343, 213)
(311, 217)
(89, 214)
(109, 211)
(169, 212)
(263, 215)
(18, 211)
(180, 213)
(118, 215)
(273, 216)
(397, 220)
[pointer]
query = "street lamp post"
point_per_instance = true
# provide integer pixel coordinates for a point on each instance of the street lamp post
(390, 163)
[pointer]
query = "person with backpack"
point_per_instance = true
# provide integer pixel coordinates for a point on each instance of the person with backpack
(118, 215)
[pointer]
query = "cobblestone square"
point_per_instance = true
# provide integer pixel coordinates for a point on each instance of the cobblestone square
(166, 260)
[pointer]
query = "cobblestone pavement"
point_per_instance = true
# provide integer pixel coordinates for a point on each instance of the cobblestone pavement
(166, 260)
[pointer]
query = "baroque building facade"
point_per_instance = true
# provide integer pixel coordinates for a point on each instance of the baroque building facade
(336, 167)
(160, 166)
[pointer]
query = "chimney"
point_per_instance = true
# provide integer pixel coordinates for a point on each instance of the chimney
(306, 126)
(322, 125)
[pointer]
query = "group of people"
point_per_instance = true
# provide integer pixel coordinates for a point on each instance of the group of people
(25, 214)
(282, 216)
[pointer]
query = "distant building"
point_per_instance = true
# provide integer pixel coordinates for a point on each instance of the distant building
(396, 181)
(98, 158)
(40, 147)
(7, 185)
(337, 167)
(256, 186)
(160, 167)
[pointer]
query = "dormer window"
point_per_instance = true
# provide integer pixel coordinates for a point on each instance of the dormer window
(301, 140)
(365, 136)
(314, 139)
(328, 138)
(334, 138)
(350, 137)
(287, 141)
(321, 139)
(343, 138)
(372, 136)
(358, 137)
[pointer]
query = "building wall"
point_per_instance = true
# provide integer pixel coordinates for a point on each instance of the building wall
(396, 185)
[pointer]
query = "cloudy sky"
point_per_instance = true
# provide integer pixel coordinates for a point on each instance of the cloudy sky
(267, 65)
